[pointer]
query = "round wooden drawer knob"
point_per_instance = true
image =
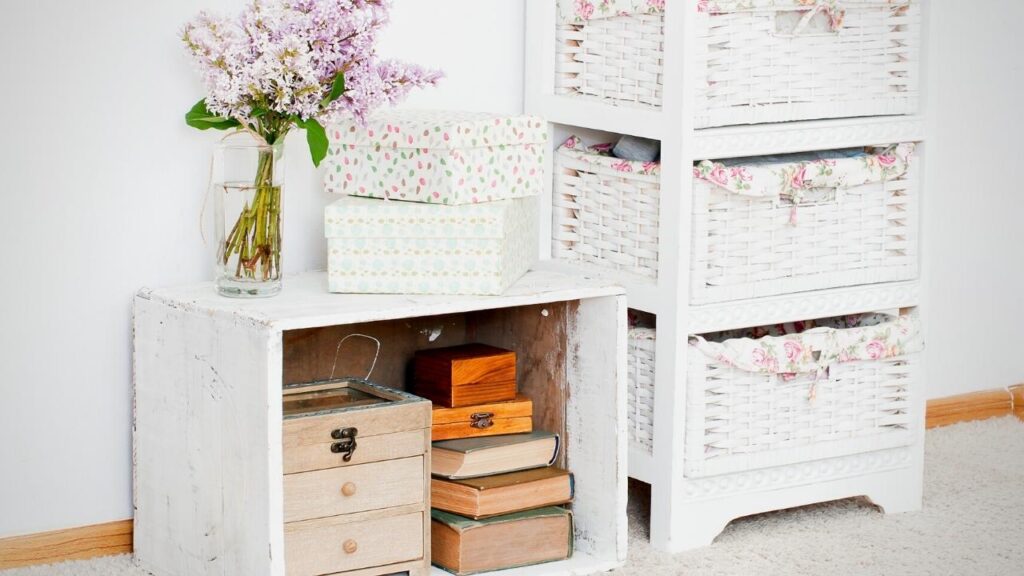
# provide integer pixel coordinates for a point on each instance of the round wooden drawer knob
(349, 489)
(350, 546)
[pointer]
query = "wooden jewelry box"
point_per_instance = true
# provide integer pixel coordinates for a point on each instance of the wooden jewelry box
(356, 463)
(492, 419)
(465, 375)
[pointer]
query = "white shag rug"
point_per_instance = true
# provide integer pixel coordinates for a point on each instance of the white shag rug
(972, 524)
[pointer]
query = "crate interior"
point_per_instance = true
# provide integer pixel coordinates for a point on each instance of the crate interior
(567, 361)
(536, 333)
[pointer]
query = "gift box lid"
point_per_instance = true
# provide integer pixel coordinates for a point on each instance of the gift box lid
(353, 217)
(440, 129)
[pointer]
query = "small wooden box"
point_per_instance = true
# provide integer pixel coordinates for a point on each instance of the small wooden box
(465, 375)
(483, 419)
(356, 464)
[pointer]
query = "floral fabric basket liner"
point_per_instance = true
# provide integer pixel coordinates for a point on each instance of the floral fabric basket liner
(796, 176)
(581, 11)
(792, 176)
(811, 351)
(601, 155)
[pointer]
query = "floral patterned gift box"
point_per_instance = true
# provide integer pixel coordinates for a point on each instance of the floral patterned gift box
(381, 247)
(440, 157)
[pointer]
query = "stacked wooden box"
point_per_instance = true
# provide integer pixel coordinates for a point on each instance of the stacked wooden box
(495, 495)
(355, 460)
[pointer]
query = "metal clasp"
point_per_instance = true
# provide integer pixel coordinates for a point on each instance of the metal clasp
(482, 420)
(347, 444)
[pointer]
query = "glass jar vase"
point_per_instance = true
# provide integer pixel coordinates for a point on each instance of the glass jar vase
(247, 190)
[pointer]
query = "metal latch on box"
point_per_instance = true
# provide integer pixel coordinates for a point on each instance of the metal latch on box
(482, 420)
(346, 444)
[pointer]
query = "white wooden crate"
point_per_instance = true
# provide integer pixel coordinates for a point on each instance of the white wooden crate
(208, 379)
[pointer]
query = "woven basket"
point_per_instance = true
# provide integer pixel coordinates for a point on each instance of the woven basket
(755, 65)
(640, 394)
(738, 420)
(617, 60)
(748, 247)
(604, 215)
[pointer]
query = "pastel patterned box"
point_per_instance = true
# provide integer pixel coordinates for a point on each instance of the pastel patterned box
(442, 157)
(382, 247)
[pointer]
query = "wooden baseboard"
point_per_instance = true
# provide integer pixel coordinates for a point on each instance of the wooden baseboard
(71, 544)
(976, 406)
(1017, 394)
(116, 537)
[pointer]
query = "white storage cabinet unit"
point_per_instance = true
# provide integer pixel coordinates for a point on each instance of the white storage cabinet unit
(717, 445)
(211, 470)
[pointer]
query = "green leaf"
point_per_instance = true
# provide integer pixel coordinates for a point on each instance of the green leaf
(201, 118)
(337, 89)
(316, 137)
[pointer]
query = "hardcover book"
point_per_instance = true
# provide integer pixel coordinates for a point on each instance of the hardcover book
(464, 546)
(503, 493)
(472, 457)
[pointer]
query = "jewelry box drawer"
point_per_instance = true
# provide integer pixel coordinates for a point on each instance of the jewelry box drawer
(334, 424)
(340, 543)
(351, 489)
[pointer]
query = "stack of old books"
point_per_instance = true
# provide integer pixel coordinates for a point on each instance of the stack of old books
(495, 495)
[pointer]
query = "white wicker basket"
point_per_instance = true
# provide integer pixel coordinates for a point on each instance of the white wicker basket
(738, 420)
(605, 211)
(744, 246)
(617, 60)
(750, 246)
(640, 394)
(758, 61)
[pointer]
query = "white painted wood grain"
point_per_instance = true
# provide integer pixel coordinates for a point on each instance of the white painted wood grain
(305, 303)
(203, 480)
(596, 442)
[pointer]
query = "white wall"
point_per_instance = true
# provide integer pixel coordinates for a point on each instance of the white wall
(974, 203)
(102, 189)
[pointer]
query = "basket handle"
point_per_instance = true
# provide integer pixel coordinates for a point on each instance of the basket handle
(835, 197)
(376, 355)
(831, 9)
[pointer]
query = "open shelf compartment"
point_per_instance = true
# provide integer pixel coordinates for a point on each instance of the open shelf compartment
(215, 367)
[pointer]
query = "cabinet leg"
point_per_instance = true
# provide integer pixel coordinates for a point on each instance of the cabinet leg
(897, 499)
(902, 490)
(697, 525)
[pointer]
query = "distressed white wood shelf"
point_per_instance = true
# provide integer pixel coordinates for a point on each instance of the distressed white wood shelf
(803, 305)
(642, 292)
(686, 512)
(598, 116)
(782, 138)
(209, 373)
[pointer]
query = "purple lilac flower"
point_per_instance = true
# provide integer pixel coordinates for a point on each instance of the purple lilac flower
(283, 56)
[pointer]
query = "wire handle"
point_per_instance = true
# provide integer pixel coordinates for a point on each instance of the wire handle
(338, 349)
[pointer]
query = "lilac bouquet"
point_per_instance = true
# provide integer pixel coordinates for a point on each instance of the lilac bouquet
(286, 63)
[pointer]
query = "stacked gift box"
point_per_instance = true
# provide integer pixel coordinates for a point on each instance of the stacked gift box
(496, 497)
(435, 202)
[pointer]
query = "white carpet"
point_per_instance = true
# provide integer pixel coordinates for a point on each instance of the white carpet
(972, 524)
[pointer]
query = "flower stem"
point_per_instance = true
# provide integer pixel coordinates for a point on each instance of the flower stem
(255, 239)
